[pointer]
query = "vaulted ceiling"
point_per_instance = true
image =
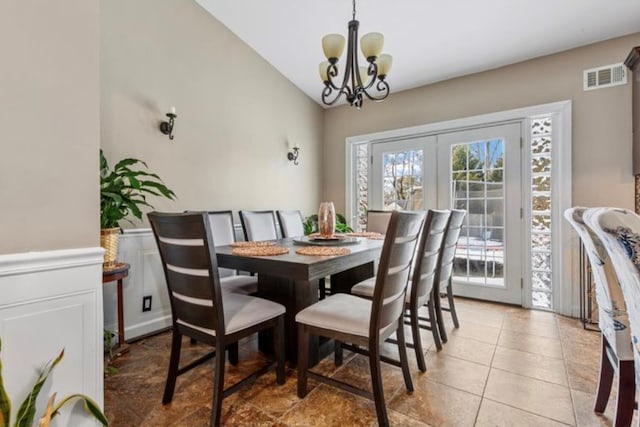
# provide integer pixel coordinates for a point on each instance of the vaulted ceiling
(430, 40)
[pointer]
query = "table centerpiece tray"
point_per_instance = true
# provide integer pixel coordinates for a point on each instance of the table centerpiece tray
(336, 240)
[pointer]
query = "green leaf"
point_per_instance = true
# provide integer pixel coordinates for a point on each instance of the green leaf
(89, 405)
(27, 411)
(123, 190)
(5, 401)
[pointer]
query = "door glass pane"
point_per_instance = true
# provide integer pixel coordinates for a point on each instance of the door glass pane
(403, 180)
(477, 167)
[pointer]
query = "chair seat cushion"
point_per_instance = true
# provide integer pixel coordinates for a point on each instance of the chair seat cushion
(239, 284)
(243, 311)
(340, 312)
(366, 287)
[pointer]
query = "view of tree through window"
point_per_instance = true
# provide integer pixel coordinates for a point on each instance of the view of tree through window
(403, 180)
(477, 186)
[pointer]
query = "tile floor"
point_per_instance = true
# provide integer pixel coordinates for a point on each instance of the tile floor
(504, 366)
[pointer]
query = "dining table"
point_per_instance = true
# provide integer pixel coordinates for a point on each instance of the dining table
(292, 280)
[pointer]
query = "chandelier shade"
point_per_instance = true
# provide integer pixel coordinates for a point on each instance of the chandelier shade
(357, 81)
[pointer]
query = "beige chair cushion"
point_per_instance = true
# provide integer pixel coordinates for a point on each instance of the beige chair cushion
(340, 312)
(239, 284)
(366, 287)
(240, 312)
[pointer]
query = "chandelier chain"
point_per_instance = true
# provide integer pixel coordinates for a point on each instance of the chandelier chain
(354, 10)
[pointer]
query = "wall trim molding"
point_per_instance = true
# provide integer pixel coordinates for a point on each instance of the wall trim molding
(34, 262)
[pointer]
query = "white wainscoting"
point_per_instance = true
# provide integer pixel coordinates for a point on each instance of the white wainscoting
(138, 248)
(49, 301)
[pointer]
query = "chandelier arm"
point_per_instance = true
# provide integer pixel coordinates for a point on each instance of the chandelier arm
(332, 71)
(373, 72)
(382, 87)
(326, 92)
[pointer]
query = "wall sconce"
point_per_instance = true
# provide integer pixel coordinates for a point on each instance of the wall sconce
(293, 155)
(167, 127)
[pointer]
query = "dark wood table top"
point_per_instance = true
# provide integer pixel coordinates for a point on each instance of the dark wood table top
(300, 267)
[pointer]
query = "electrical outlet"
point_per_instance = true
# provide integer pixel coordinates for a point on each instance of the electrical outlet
(146, 303)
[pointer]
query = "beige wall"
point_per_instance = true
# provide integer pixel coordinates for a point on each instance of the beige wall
(237, 115)
(602, 173)
(49, 116)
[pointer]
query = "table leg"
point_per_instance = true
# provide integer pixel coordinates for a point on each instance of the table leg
(295, 296)
(120, 315)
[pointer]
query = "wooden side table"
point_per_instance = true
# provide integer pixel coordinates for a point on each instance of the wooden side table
(117, 274)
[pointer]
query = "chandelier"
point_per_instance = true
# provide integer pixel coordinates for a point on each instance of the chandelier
(356, 80)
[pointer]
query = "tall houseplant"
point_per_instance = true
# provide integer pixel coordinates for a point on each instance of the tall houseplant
(123, 192)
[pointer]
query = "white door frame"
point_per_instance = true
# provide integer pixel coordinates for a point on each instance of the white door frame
(565, 289)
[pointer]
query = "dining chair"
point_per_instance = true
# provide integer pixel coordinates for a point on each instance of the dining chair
(445, 272)
(365, 323)
(421, 281)
(291, 223)
(258, 225)
(617, 353)
(200, 310)
(378, 221)
(223, 232)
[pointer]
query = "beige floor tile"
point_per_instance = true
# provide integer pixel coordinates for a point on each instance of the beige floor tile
(438, 405)
(585, 416)
(494, 414)
(540, 397)
(582, 353)
(329, 406)
(582, 377)
(542, 329)
(461, 374)
(530, 343)
(531, 365)
(481, 316)
(468, 349)
(482, 333)
(538, 316)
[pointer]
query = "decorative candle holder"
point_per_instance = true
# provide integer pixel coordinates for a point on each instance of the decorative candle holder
(326, 219)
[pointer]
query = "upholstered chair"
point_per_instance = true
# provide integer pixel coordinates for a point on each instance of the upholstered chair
(609, 236)
(362, 323)
(258, 225)
(420, 289)
(200, 310)
(378, 221)
(291, 223)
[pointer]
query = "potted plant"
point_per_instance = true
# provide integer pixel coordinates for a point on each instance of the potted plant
(123, 192)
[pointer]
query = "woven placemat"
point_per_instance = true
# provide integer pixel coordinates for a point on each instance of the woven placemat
(260, 250)
(257, 244)
(368, 234)
(322, 251)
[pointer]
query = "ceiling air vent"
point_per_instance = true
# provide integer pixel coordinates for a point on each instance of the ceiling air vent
(609, 75)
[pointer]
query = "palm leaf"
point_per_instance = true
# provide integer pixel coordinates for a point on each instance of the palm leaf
(48, 413)
(5, 401)
(27, 411)
(89, 405)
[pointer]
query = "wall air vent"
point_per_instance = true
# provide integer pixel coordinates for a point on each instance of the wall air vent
(601, 77)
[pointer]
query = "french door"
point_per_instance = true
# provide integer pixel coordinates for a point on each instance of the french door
(477, 170)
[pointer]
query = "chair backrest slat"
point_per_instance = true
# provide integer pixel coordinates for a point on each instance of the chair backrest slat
(428, 255)
(290, 223)
(259, 225)
(456, 219)
(393, 271)
(186, 247)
